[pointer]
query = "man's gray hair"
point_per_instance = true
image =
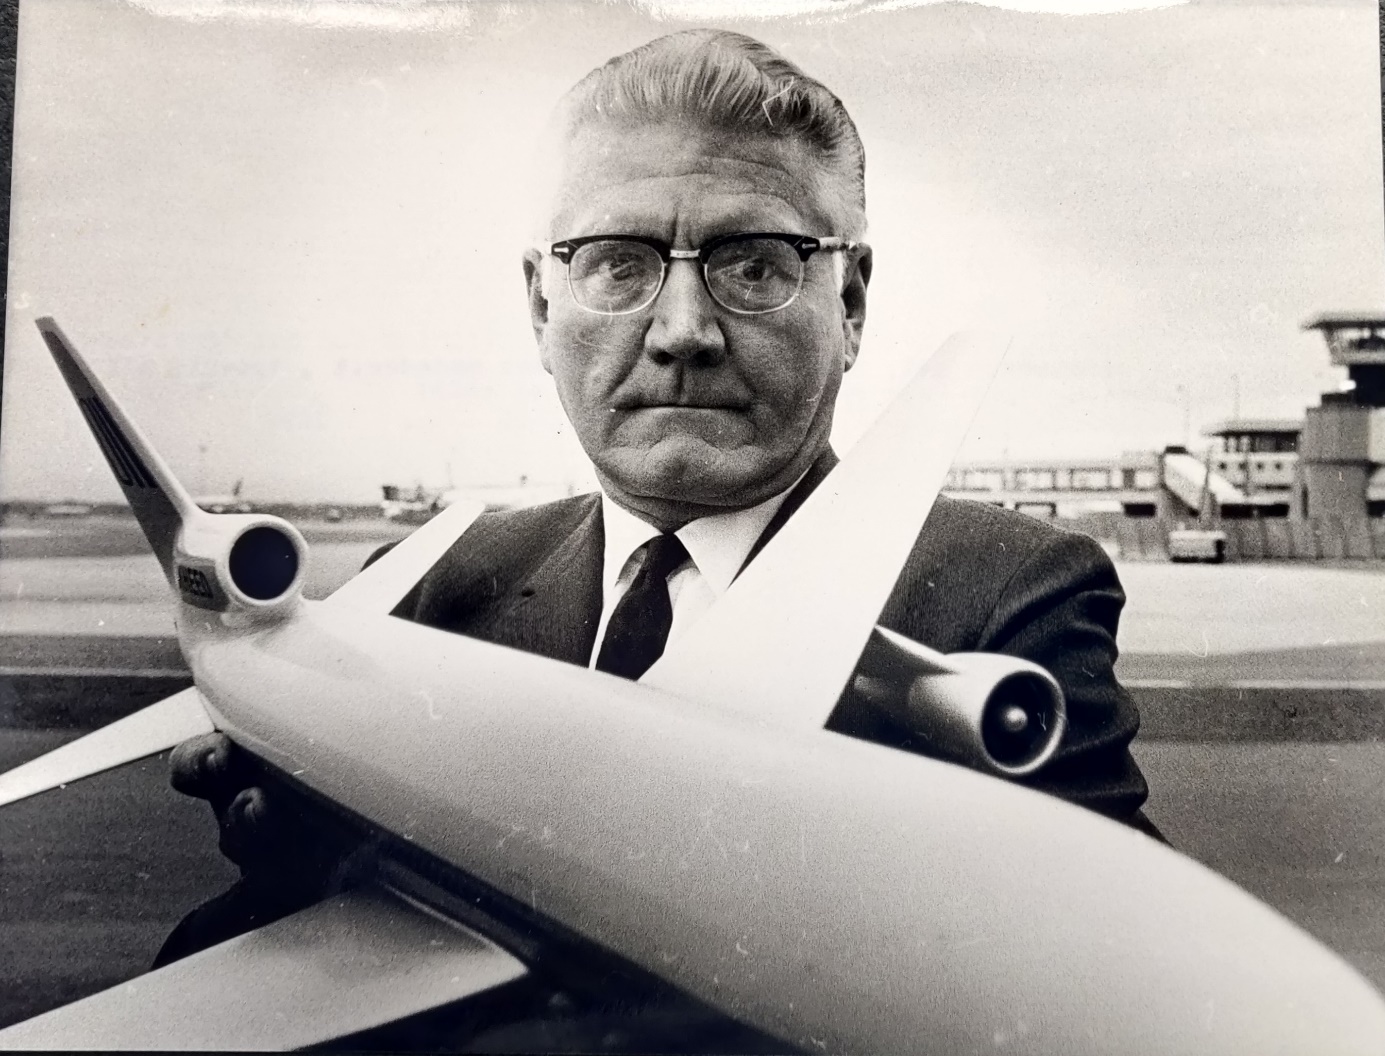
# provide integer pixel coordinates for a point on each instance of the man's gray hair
(724, 81)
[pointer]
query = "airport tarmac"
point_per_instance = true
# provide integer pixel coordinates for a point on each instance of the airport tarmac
(1268, 625)
(1193, 611)
(1262, 688)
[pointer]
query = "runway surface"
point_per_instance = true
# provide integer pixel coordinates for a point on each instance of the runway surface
(1262, 690)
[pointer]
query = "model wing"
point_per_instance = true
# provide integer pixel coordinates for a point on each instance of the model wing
(344, 966)
(781, 643)
(156, 728)
(382, 585)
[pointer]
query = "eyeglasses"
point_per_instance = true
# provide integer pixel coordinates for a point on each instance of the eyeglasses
(749, 274)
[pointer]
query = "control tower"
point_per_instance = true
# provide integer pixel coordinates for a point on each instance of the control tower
(1342, 446)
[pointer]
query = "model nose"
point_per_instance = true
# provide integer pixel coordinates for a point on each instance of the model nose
(685, 325)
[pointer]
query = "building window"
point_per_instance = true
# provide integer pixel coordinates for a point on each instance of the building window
(1091, 479)
(983, 480)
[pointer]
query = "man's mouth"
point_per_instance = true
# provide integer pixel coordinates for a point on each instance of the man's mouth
(683, 404)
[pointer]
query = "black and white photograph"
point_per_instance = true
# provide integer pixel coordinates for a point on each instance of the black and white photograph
(655, 526)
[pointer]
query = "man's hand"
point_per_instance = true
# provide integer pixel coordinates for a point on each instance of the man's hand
(291, 851)
(277, 837)
(211, 767)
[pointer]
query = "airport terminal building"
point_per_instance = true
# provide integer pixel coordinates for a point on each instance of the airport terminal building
(1310, 488)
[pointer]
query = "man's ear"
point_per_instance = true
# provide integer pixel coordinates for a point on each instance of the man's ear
(854, 300)
(538, 303)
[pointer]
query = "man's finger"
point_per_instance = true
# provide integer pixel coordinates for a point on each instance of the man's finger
(200, 766)
(244, 824)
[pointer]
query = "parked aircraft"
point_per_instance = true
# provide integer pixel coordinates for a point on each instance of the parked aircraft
(700, 826)
(410, 506)
(418, 504)
(232, 503)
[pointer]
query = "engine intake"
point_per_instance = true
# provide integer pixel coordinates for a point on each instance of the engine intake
(263, 563)
(995, 713)
(238, 562)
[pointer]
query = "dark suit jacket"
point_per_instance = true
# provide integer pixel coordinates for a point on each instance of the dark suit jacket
(978, 579)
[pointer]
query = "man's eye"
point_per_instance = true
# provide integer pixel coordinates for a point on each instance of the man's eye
(754, 263)
(753, 269)
(747, 268)
(620, 268)
(616, 267)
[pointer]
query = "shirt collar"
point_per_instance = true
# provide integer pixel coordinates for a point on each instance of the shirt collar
(718, 544)
(624, 533)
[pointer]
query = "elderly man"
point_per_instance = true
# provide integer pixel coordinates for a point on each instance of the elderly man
(700, 293)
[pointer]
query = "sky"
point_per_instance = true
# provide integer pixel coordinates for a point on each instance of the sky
(288, 235)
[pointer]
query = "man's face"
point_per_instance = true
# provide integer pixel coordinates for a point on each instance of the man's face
(685, 405)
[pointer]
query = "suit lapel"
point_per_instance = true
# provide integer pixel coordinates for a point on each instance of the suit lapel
(555, 610)
(817, 472)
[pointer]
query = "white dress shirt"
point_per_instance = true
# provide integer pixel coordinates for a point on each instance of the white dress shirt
(718, 546)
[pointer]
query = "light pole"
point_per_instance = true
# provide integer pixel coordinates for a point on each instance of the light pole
(1186, 402)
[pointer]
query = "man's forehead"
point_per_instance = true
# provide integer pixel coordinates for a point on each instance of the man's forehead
(669, 173)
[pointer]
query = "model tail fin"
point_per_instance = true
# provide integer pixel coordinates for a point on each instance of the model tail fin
(159, 502)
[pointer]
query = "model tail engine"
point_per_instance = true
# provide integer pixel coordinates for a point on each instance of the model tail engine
(249, 563)
(997, 714)
(243, 562)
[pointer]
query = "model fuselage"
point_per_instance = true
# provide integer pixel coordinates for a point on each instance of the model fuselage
(824, 889)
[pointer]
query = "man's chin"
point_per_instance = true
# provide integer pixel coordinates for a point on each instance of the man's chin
(695, 475)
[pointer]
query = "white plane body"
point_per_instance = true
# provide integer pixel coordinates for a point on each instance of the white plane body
(837, 894)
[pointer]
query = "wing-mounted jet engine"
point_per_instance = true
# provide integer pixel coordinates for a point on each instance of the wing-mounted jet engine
(998, 714)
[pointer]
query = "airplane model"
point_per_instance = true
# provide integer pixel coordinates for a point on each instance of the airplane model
(700, 826)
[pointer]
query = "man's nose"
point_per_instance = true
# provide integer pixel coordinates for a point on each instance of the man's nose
(685, 325)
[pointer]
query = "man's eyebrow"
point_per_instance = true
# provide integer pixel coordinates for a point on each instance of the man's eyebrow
(766, 213)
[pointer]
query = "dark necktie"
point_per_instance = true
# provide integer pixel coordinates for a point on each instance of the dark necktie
(639, 625)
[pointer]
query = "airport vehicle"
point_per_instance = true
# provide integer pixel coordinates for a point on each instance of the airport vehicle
(1197, 544)
(699, 826)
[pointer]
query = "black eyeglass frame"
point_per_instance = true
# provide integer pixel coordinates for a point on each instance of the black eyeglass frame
(804, 245)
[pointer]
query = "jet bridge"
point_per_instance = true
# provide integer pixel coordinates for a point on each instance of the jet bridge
(1189, 479)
